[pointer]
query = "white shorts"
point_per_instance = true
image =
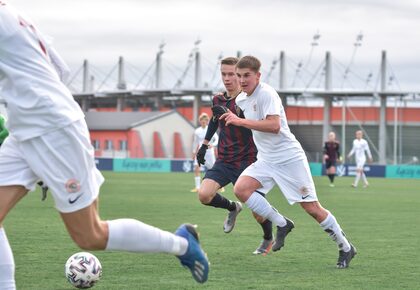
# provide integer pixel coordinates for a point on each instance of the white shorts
(360, 163)
(63, 159)
(210, 158)
(294, 179)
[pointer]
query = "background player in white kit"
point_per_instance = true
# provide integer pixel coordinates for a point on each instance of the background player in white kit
(198, 138)
(360, 149)
(280, 160)
(49, 140)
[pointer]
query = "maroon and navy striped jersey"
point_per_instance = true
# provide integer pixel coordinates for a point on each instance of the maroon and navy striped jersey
(332, 149)
(236, 145)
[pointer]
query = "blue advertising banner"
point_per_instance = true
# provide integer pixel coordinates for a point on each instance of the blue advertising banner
(104, 163)
(142, 165)
(402, 171)
(350, 170)
(186, 165)
(182, 165)
(370, 170)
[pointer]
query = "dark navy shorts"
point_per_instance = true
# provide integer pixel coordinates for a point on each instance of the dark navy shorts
(224, 173)
(329, 164)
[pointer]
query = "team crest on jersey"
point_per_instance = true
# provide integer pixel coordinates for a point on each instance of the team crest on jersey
(254, 107)
(238, 110)
(72, 185)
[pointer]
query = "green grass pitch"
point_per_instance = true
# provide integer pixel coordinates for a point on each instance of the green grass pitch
(382, 221)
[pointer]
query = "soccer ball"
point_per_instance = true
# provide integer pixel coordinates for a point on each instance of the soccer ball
(83, 270)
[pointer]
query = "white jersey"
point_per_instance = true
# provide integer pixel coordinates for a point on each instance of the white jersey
(30, 79)
(281, 147)
(199, 135)
(359, 148)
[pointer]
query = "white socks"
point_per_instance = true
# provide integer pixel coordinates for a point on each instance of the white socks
(356, 180)
(134, 236)
(331, 226)
(7, 263)
(365, 182)
(197, 180)
(261, 206)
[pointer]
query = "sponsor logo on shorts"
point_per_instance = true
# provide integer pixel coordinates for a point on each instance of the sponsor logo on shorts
(72, 185)
(304, 191)
(73, 200)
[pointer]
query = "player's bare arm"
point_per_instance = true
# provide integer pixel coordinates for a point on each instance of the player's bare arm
(270, 125)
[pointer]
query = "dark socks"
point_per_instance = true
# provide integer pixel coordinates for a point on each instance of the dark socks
(267, 227)
(331, 177)
(222, 202)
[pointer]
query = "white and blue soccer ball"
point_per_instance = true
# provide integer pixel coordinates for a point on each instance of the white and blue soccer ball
(83, 270)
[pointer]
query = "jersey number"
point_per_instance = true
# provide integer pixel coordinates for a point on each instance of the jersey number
(32, 29)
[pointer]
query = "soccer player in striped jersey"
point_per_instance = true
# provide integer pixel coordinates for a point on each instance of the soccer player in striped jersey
(331, 156)
(236, 151)
(281, 160)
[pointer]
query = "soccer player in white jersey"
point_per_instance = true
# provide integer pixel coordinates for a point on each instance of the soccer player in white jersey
(199, 135)
(360, 149)
(280, 160)
(49, 140)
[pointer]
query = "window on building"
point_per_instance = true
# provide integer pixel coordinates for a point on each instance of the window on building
(108, 145)
(123, 145)
(96, 144)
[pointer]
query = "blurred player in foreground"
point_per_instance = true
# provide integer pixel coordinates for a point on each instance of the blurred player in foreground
(3, 135)
(49, 140)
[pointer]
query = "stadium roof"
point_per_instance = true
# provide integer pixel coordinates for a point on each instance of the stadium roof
(285, 92)
(121, 120)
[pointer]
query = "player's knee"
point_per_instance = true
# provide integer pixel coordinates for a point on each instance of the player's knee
(205, 196)
(242, 192)
(315, 210)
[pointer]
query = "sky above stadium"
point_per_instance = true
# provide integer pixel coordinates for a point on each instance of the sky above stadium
(101, 31)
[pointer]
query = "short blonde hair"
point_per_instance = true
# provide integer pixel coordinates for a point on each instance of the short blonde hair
(203, 116)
